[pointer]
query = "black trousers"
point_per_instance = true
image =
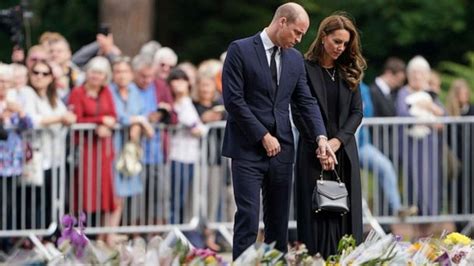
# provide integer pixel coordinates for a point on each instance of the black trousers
(273, 178)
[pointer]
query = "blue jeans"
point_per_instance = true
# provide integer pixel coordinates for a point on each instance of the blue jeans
(374, 160)
(181, 189)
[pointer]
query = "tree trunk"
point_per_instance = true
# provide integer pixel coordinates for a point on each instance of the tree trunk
(130, 21)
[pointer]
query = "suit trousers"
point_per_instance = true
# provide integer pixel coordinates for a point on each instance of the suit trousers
(273, 178)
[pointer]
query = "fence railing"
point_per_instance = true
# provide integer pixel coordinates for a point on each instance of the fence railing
(184, 180)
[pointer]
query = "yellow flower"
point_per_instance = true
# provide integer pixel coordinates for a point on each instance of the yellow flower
(210, 260)
(457, 238)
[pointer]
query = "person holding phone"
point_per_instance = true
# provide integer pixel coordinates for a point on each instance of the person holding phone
(103, 46)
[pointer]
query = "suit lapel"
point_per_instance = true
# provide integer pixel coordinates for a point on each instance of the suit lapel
(262, 58)
(318, 85)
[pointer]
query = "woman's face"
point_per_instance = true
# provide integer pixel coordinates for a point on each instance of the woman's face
(463, 95)
(418, 80)
(336, 42)
(40, 76)
(207, 89)
(95, 78)
(179, 86)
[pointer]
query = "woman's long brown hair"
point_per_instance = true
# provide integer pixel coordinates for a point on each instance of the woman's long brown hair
(351, 63)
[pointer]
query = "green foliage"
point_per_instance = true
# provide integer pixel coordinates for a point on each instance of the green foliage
(77, 20)
(452, 70)
(201, 29)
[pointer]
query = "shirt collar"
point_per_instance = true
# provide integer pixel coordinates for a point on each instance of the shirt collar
(267, 42)
(383, 86)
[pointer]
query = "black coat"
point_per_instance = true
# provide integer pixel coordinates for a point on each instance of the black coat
(308, 166)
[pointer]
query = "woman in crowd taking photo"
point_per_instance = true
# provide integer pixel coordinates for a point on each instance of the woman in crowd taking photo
(334, 65)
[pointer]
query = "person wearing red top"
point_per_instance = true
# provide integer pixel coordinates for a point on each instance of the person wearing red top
(93, 103)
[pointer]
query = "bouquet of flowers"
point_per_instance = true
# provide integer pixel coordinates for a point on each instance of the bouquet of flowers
(77, 248)
(298, 255)
(260, 254)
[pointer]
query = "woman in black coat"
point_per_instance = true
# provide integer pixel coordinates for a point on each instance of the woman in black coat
(334, 67)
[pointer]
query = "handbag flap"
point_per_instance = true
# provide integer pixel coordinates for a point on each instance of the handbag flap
(332, 189)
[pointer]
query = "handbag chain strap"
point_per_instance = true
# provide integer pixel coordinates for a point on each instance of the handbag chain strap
(321, 176)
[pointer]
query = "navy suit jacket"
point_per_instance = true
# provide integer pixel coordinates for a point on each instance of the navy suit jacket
(253, 109)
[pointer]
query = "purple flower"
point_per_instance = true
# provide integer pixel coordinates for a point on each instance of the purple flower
(82, 221)
(443, 260)
(76, 236)
(68, 222)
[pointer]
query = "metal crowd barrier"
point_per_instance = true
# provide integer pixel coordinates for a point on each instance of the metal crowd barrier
(30, 170)
(432, 161)
(161, 197)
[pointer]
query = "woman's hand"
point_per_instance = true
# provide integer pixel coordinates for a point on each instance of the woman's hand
(108, 121)
(103, 131)
(327, 163)
(335, 144)
(211, 116)
(68, 118)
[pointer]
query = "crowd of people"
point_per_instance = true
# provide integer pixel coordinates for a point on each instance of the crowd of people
(51, 89)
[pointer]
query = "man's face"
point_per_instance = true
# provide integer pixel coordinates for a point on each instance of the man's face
(122, 74)
(164, 67)
(291, 33)
(59, 52)
(144, 77)
(399, 79)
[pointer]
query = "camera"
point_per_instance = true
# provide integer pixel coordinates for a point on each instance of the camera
(12, 20)
(104, 29)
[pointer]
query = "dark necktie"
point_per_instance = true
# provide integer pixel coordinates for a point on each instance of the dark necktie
(273, 69)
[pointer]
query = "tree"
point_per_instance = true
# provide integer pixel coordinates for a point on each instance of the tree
(452, 71)
(131, 22)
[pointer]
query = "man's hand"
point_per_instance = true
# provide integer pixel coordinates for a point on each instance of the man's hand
(324, 151)
(271, 145)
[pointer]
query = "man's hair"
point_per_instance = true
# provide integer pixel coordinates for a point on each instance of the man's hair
(394, 65)
(140, 61)
(165, 52)
(291, 11)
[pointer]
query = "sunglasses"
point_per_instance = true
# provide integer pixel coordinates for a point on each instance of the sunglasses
(37, 73)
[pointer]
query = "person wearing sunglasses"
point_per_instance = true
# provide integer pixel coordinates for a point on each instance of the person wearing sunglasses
(50, 119)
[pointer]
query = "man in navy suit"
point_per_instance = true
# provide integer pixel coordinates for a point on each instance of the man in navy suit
(261, 75)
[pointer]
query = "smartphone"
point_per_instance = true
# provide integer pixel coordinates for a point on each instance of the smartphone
(104, 29)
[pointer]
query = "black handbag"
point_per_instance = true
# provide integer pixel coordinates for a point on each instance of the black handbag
(331, 196)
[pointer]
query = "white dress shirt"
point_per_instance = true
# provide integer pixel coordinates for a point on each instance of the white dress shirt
(268, 45)
(383, 86)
